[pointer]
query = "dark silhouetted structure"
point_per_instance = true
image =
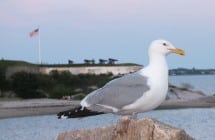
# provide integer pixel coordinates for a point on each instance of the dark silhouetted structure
(87, 61)
(102, 61)
(70, 61)
(112, 61)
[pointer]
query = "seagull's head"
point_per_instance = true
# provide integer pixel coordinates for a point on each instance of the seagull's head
(164, 47)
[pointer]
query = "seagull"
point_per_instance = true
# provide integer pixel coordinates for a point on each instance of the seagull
(137, 92)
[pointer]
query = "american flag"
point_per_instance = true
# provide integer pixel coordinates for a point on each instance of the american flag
(34, 32)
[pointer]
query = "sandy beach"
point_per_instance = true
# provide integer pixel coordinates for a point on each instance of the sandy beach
(35, 107)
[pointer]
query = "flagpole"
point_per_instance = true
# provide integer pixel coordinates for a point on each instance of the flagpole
(39, 48)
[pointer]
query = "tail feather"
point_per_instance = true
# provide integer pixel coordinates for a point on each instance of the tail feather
(77, 112)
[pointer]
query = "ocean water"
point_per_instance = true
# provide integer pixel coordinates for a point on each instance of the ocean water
(199, 123)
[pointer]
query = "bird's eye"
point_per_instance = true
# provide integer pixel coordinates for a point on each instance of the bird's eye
(164, 44)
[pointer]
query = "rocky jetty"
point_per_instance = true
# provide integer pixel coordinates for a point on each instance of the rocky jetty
(184, 92)
(129, 129)
(186, 97)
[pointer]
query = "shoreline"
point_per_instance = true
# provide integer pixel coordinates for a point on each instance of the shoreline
(36, 107)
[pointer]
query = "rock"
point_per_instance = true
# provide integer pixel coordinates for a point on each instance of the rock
(128, 129)
(183, 93)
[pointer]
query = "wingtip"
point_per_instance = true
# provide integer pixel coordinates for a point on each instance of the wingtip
(77, 112)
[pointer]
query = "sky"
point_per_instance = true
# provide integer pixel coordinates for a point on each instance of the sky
(121, 29)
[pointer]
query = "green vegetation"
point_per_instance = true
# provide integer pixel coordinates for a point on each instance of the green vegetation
(26, 85)
(6, 63)
(55, 85)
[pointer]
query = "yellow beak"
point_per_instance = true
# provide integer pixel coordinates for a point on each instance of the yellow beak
(178, 51)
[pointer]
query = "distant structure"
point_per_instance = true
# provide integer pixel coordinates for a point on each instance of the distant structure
(87, 61)
(102, 61)
(70, 61)
(112, 61)
(93, 69)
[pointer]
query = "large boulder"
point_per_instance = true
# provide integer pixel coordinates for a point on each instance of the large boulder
(129, 129)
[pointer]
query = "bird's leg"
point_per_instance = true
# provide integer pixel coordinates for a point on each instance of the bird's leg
(134, 116)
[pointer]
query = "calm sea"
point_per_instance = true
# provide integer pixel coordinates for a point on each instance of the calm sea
(199, 123)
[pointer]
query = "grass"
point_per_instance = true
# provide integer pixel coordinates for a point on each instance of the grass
(14, 63)
(4, 64)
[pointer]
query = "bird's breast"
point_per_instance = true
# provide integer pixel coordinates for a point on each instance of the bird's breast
(151, 98)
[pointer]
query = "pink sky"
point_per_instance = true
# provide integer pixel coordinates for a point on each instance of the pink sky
(101, 26)
(28, 12)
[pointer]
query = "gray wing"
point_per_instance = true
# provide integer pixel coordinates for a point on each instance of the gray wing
(120, 92)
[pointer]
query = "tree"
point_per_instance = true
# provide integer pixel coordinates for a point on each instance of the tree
(26, 85)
